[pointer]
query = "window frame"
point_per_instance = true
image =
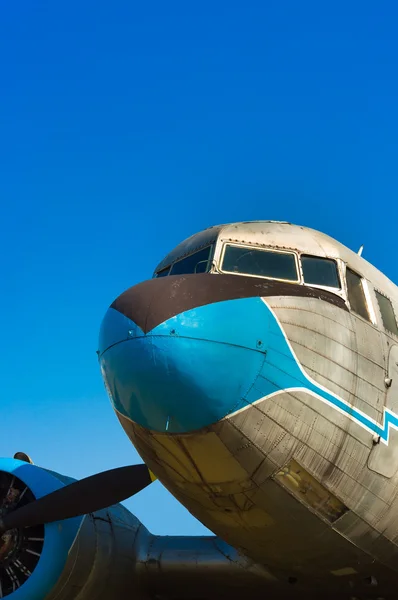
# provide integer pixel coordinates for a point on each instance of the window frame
(339, 290)
(387, 331)
(367, 296)
(261, 249)
(370, 303)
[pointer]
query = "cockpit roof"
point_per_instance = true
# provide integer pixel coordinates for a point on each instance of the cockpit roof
(204, 238)
(282, 235)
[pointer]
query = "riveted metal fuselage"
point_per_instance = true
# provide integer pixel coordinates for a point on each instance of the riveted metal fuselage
(268, 409)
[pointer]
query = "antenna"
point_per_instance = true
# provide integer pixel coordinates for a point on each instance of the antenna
(360, 251)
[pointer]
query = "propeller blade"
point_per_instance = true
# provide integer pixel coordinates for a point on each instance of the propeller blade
(81, 497)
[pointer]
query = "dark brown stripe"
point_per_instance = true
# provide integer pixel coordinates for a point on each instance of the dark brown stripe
(150, 303)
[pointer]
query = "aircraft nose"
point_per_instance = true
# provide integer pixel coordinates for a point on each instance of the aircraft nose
(175, 361)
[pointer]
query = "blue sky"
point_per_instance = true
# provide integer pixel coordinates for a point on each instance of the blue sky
(125, 128)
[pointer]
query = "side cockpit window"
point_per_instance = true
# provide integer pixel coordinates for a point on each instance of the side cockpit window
(356, 294)
(387, 313)
(194, 263)
(260, 263)
(197, 262)
(320, 271)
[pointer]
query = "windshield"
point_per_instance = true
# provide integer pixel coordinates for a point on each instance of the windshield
(261, 263)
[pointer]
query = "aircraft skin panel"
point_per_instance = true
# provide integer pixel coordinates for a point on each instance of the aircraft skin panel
(261, 405)
(207, 354)
(262, 520)
(196, 354)
(101, 562)
(315, 412)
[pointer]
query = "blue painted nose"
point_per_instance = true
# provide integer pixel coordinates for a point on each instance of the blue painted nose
(190, 370)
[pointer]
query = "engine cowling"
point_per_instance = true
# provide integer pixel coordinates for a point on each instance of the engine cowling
(89, 557)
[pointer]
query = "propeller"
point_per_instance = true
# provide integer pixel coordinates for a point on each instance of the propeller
(80, 497)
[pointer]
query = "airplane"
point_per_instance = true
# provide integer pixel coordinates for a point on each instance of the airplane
(256, 374)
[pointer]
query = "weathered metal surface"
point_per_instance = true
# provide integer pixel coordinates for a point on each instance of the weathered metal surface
(101, 561)
(198, 567)
(228, 473)
(114, 557)
(384, 459)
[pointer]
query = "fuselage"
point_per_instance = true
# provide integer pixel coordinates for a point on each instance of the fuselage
(256, 373)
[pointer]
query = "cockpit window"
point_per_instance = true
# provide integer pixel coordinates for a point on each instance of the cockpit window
(356, 294)
(387, 313)
(261, 263)
(320, 271)
(194, 263)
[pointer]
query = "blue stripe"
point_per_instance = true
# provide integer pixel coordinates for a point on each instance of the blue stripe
(206, 363)
(284, 373)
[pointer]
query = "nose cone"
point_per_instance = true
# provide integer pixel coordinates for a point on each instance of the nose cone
(190, 369)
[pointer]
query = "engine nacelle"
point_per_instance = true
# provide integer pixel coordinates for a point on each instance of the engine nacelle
(90, 557)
